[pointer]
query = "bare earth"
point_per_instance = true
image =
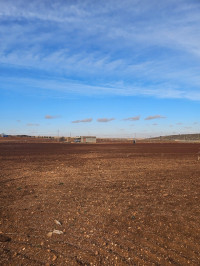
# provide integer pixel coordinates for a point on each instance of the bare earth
(118, 204)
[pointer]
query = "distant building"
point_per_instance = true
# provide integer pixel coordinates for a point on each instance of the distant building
(85, 139)
(88, 139)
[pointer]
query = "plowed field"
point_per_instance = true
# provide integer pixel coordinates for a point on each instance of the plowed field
(117, 204)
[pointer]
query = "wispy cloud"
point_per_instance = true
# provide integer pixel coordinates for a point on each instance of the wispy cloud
(105, 120)
(134, 118)
(32, 125)
(51, 116)
(87, 120)
(104, 53)
(62, 87)
(154, 117)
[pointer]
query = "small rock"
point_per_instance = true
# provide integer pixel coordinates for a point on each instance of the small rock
(54, 258)
(58, 232)
(57, 222)
(50, 234)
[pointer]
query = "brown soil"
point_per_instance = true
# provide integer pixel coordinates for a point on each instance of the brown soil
(118, 204)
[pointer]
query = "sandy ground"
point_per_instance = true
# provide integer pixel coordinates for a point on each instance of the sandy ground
(117, 204)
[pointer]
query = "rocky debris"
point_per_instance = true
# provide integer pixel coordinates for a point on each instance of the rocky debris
(50, 234)
(55, 231)
(58, 232)
(54, 258)
(57, 222)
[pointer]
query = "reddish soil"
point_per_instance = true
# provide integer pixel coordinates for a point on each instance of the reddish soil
(118, 204)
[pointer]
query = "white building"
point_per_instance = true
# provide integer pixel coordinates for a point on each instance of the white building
(86, 139)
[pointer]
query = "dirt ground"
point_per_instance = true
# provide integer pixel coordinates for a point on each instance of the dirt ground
(117, 204)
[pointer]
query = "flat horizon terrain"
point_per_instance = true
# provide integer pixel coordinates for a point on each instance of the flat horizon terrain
(117, 204)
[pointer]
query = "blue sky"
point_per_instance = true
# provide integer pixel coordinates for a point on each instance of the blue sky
(106, 68)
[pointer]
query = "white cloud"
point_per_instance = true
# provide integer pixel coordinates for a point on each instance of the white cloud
(87, 120)
(105, 120)
(154, 117)
(134, 118)
(61, 88)
(153, 46)
(51, 116)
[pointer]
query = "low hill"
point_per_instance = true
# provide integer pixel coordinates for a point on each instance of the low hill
(179, 137)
